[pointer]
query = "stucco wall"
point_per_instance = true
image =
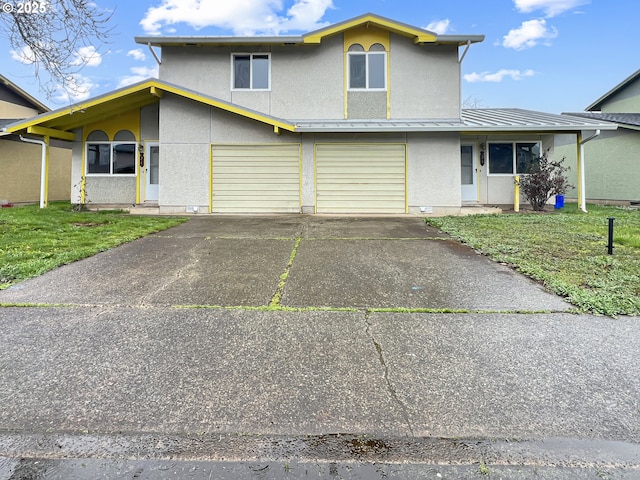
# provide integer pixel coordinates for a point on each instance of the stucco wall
(307, 82)
(425, 80)
(433, 170)
(13, 111)
(498, 189)
(625, 101)
(20, 167)
(113, 189)
(612, 164)
(149, 127)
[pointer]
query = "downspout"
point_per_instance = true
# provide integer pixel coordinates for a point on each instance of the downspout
(582, 195)
(44, 169)
(153, 52)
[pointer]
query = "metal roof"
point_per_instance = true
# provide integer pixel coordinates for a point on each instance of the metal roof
(471, 121)
(623, 119)
(598, 103)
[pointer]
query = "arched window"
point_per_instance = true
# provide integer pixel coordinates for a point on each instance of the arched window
(124, 136)
(111, 158)
(367, 70)
(97, 136)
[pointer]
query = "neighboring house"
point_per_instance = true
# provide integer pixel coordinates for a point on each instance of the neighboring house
(20, 162)
(613, 157)
(359, 117)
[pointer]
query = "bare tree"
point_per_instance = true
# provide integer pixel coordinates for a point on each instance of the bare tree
(57, 36)
(472, 102)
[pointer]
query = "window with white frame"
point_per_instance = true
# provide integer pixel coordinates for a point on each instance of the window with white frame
(251, 71)
(512, 158)
(117, 157)
(367, 70)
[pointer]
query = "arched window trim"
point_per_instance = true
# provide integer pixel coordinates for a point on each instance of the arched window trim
(367, 71)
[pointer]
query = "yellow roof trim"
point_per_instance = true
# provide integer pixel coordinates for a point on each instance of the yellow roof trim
(51, 132)
(227, 106)
(154, 88)
(419, 35)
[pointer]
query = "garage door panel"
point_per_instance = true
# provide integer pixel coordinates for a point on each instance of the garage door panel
(360, 178)
(256, 178)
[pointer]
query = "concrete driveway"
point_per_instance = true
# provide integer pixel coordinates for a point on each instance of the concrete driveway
(132, 377)
(292, 261)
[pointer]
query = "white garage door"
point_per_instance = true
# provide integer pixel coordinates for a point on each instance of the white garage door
(360, 178)
(256, 178)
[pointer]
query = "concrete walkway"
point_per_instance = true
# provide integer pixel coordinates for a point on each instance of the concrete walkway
(144, 362)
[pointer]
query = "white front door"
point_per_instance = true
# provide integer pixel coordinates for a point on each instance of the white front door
(469, 173)
(152, 171)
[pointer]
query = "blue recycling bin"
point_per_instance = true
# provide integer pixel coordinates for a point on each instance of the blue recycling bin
(559, 201)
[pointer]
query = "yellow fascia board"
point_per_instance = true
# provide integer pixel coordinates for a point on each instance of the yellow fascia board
(419, 36)
(78, 107)
(229, 108)
(51, 132)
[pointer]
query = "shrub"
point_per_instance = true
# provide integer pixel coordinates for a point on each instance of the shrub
(544, 179)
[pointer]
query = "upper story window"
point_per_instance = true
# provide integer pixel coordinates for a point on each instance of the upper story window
(251, 71)
(111, 158)
(367, 70)
(509, 158)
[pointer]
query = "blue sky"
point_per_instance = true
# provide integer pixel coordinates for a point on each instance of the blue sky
(547, 55)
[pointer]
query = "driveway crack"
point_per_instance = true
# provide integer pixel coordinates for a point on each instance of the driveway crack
(390, 388)
(194, 259)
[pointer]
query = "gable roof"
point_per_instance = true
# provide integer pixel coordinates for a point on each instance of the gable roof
(419, 35)
(60, 123)
(30, 100)
(597, 105)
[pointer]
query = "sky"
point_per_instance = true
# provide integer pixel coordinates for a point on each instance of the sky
(546, 55)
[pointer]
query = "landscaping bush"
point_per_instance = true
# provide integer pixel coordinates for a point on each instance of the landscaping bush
(544, 179)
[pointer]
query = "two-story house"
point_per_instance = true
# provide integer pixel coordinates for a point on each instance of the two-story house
(362, 116)
(21, 162)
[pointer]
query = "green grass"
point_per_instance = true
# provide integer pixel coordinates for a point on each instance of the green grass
(34, 240)
(565, 250)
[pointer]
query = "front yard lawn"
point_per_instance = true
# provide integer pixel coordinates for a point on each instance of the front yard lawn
(34, 240)
(566, 250)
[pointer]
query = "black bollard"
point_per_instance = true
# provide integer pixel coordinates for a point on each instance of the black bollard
(610, 244)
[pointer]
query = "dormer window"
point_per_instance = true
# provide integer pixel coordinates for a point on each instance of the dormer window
(367, 70)
(251, 71)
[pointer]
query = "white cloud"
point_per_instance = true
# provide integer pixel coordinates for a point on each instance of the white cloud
(139, 74)
(551, 8)
(137, 54)
(439, 26)
(24, 55)
(87, 56)
(529, 35)
(498, 76)
(78, 88)
(247, 17)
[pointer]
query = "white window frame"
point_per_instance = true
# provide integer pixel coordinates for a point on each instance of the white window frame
(112, 145)
(366, 71)
(250, 55)
(514, 160)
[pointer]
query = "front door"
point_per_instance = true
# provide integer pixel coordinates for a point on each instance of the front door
(469, 174)
(152, 171)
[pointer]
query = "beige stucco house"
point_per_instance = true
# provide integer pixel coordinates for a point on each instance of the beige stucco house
(21, 162)
(362, 116)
